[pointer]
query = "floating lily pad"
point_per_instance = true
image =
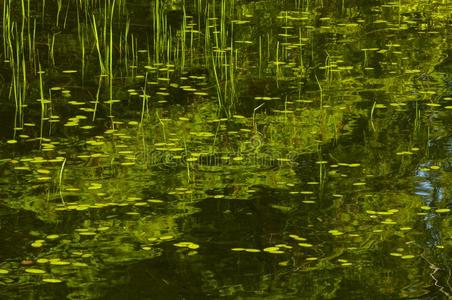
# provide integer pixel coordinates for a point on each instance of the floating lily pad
(35, 271)
(52, 280)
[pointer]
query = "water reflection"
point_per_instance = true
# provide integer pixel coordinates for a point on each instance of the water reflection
(237, 149)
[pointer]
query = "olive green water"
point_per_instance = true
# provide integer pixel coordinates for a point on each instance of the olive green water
(206, 149)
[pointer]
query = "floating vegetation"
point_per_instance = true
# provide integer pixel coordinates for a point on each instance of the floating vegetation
(51, 280)
(335, 232)
(296, 237)
(315, 135)
(188, 245)
(312, 258)
(249, 250)
(277, 249)
(37, 243)
(409, 256)
(35, 271)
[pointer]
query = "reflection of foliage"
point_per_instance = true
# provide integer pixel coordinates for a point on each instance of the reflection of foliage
(335, 119)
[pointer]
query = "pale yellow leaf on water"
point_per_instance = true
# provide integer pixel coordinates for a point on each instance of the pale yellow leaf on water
(35, 271)
(238, 249)
(79, 264)
(251, 250)
(52, 280)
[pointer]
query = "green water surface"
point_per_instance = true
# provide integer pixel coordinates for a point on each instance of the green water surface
(226, 149)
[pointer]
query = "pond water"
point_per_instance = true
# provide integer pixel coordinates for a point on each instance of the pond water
(204, 149)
